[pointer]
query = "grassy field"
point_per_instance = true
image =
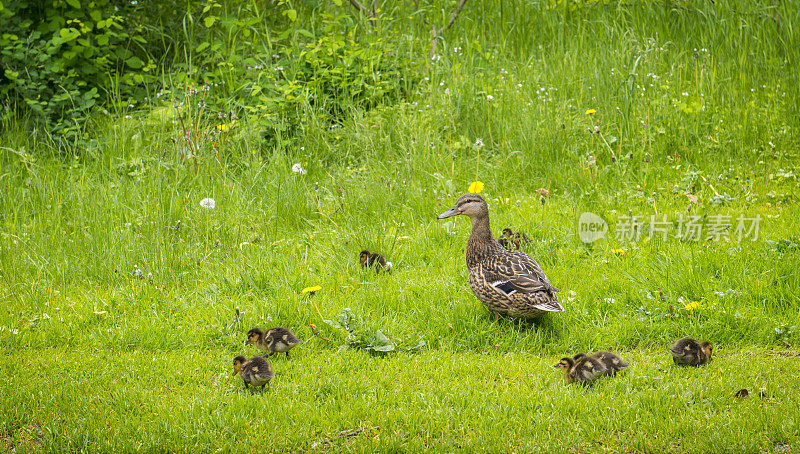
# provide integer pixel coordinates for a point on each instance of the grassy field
(120, 292)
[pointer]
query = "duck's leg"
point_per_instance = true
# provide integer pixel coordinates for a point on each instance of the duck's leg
(287, 354)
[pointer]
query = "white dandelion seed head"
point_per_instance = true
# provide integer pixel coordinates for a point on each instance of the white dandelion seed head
(478, 143)
(489, 98)
(208, 203)
(297, 168)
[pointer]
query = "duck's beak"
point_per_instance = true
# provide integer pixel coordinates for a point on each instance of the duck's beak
(451, 212)
(555, 366)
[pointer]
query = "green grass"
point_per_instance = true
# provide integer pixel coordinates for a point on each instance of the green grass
(500, 401)
(97, 359)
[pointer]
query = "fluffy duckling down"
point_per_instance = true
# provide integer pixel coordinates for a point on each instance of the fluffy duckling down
(274, 340)
(583, 370)
(690, 352)
(256, 371)
(369, 259)
(609, 360)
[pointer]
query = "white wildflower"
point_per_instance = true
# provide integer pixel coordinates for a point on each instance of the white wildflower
(489, 98)
(208, 203)
(478, 144)
(297, 168)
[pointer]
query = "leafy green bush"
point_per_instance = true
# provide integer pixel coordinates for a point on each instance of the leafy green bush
(58, 58)
(323, 60)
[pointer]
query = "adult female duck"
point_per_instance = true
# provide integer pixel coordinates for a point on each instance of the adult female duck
(509, 283)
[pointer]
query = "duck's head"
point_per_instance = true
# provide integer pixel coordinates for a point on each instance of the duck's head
(507, 232)
(468, 204)
(237, 364)
(253, 336)
(707, 349)
(364, 256)
(565, 364)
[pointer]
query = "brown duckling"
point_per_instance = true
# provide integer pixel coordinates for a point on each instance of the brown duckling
(583, 370)
(510, 239)
(507, 240)
(256, 371)
(690, 352)
(609, 360)
(369, 259)
(520, 237)
(273, 340)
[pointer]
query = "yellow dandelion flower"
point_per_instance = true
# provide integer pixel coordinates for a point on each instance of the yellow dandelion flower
(311, 290)
(618, 251)
(590, 111)
(692, 305)
(476, 187)
(222, 127)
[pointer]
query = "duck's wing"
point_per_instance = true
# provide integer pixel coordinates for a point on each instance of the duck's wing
(516, 272)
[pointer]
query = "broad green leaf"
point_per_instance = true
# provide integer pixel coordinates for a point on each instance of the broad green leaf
(380, 343)
(74, 3)
(291, 14)
(209, 21)
(134, 62)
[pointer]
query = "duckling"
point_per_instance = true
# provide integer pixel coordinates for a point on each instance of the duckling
(519, 237)
(690, 352)
(256, 371)
(507, 239)
(583, 370)
(609, 360)
(372, 259)
(274, 340)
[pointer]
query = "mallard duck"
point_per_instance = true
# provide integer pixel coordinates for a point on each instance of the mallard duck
(256, 371)
(609, 360)
(274, 340)
(690, 352)
(583, 370)
(369, 259)
(509, 283)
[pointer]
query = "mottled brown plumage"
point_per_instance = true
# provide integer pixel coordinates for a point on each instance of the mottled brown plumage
(369, 259)
(256, 371)
(610, 361)
(690, 352)
(273, 340)
(583, 370)
(508, 283)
